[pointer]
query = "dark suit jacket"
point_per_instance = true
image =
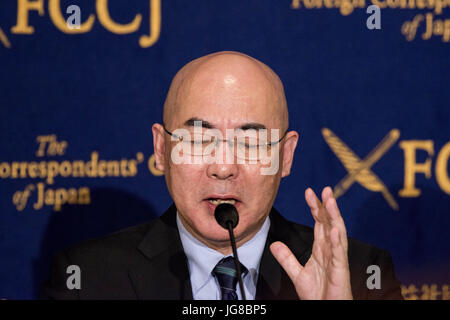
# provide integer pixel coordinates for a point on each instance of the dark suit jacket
(148, 262)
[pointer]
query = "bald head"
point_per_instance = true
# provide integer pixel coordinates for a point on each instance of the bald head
(227, 92)
(227, 79)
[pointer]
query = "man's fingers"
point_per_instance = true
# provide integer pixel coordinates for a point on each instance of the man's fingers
(327, 193)
(315, 205)
(336, 219)
(286, 259)
(339, 253)
(326, 213)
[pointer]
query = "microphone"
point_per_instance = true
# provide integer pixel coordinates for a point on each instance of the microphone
(227, 216)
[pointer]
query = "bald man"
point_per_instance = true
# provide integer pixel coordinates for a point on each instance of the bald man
(225, 139)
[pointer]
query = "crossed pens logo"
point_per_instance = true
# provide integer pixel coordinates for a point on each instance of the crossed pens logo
(4, 39)
(360, 170)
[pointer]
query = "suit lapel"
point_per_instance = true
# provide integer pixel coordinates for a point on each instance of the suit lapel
(162, 273)
(273, 281)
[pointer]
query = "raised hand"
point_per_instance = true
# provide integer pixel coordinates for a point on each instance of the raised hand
(326, 275)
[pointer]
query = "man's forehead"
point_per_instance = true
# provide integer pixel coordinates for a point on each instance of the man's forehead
(227, 91)
(222, 114)
(227, 118)
(229, 107)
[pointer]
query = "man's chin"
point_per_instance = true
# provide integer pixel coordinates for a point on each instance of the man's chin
(216, 236)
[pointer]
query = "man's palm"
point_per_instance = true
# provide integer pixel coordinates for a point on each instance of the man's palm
(326, 274)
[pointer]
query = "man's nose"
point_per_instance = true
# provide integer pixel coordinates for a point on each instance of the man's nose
(222, 171)
(224, 166)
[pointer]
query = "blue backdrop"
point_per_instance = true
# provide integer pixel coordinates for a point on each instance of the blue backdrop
(77, 107)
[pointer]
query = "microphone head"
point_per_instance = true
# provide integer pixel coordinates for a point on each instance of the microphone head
(226, 212)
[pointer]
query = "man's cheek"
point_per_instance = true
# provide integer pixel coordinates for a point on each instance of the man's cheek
(186, 179)
(188, 173)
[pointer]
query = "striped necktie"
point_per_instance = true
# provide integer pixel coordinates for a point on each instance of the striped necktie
(226, 275)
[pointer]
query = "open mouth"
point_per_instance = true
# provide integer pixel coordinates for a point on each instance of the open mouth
(213, 200)
(217, 201)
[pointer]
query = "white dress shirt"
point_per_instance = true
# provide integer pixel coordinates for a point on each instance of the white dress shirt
(202, 260)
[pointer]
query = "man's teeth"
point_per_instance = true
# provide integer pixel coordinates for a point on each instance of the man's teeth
(219, 201)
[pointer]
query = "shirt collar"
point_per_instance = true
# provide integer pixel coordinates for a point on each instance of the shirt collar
(202, 259)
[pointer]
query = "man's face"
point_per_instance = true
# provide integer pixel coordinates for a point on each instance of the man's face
(224, 102)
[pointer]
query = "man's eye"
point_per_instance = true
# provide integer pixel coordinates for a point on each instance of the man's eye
(248, 145)
(200, 142)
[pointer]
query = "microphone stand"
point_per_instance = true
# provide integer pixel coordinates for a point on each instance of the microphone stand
(236, 259)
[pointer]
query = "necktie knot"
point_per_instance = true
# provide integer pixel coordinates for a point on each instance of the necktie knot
(226, 274)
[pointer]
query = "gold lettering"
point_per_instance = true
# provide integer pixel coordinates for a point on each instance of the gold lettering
(442, 177)
(392, 3)
(91, 170)
(20, 198)
(5, 170)
(32, 170)
(78, 168)
(14, 168)
(42, 169)
(105, 19)
(446, 37)
(429, 4)
(132, 168)
(429, 26)
(379, 3)
(42, 141)
(72, 196)
(102, 168)
(52, 171)
(438, 6)
(65, 169)
(113, 168)
(155, 25)
(4, 39)
(23, 8)
(57, 17)
(56, 148)
(84, 196)
(40, 196)
(409, 28)
(346, 7)
(420, 4)
(295, 4)
(49, 197)
(60, 198)
(411, 4)
(152, 167)
(309, 4)
(23, 169)
(123, 168)
(412, 167)
(438, 27)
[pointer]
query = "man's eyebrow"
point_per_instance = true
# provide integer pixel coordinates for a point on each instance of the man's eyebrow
(252, 125)
(205, 124)
(191, 123)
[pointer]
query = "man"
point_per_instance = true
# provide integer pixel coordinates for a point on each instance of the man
(185, 254)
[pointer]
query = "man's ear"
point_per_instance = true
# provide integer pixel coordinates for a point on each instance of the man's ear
(159, 146)
(288, 152)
